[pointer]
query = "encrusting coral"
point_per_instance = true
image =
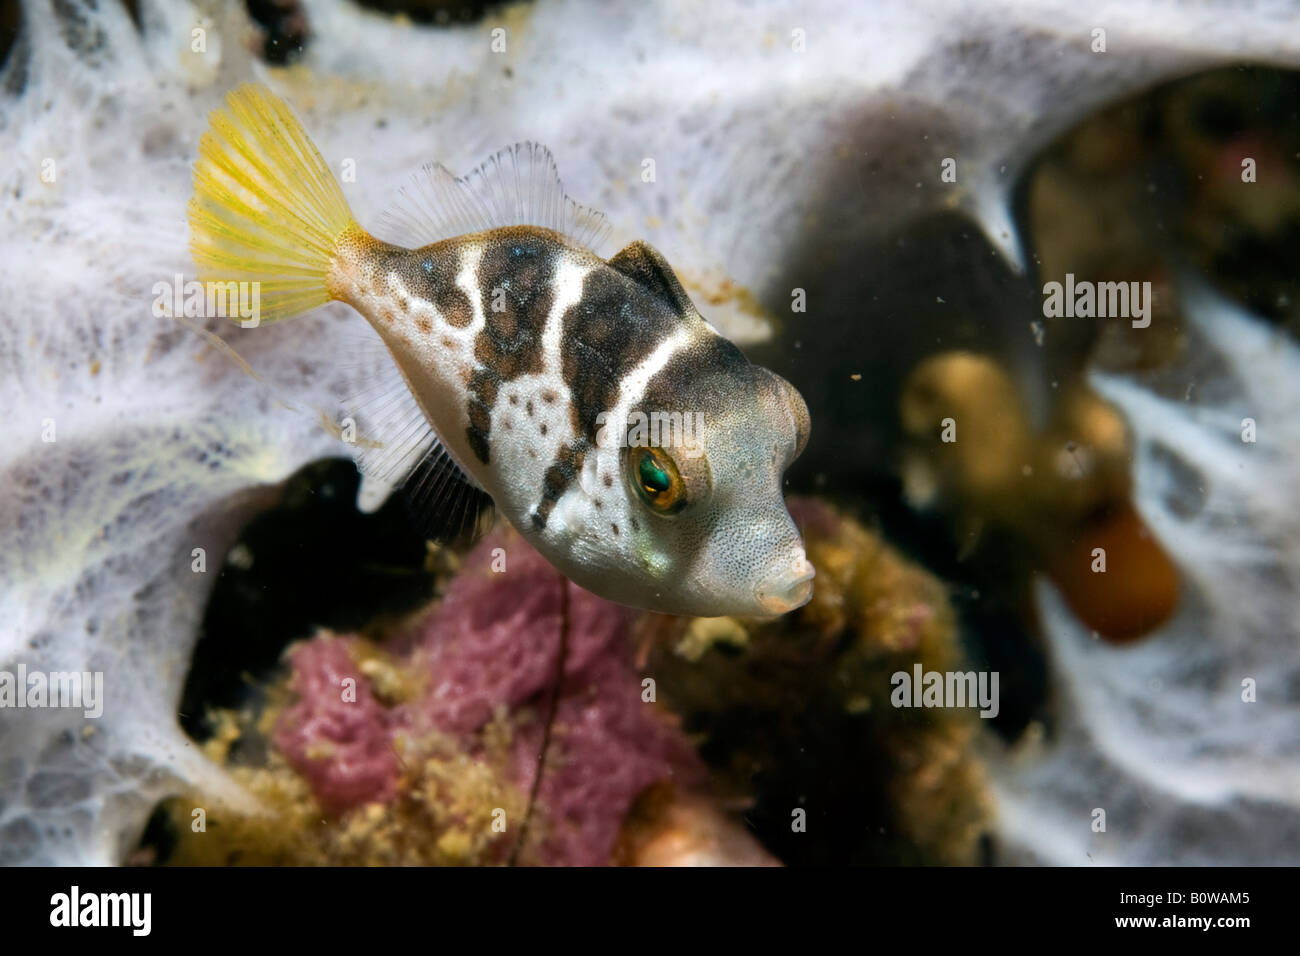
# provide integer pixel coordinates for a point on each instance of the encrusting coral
(796, 713)
(424, 750)
(440, 740)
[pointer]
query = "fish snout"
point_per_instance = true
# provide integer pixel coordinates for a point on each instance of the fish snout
(787, 588)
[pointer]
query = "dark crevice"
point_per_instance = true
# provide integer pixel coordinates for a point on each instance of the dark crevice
(436, 12)
(13, 43)
(284, 29)
(314, 561)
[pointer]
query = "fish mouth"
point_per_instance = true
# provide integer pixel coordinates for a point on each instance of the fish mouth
(787, 590)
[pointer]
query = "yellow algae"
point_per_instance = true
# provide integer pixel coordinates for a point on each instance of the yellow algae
(448, 809)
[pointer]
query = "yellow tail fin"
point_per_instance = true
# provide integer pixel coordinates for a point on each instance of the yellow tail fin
(266, 208)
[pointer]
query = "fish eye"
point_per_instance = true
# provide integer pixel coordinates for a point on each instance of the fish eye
(657, 479)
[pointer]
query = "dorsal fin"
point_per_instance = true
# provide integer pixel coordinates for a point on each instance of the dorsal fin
(519, 186)
(643, 264)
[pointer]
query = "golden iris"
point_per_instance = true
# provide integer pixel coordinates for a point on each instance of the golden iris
(658, 480)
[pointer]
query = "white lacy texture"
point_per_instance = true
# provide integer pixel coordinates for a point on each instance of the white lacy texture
(164, 445)
(1158, 735)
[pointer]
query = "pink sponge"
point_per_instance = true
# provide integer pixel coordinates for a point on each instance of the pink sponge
(491, 643)
(343, 746)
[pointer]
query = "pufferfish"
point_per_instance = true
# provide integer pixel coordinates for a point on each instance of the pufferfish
(533, 363)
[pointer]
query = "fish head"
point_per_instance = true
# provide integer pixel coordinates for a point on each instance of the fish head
(707, 530)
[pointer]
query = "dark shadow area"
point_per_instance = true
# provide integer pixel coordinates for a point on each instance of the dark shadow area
(311, 562)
